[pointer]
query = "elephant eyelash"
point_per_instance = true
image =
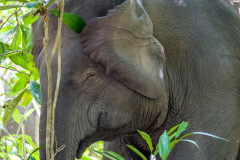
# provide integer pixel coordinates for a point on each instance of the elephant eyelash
(89, 76)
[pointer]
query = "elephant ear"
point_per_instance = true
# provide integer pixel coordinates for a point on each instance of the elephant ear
(123, 43)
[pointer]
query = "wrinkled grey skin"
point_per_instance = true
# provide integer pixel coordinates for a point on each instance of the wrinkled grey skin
(201, 68)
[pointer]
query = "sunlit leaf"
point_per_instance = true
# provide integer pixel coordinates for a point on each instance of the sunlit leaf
(211, 135)
(191, 141)
(22, 76)
(35, 89)
(29, 37)
(11, 32)
(35, 150)
(29, 113)
(32, 4)
(3, 49)
(181, 129)
(163, 144)
(49, 3)
(13, 157)
(27, 97)
(11, 108)
(137, 151)
(4, 2)
(147, 139)
(173, 129)
(19, 85)
(106, 155)
(173, 143)
(114, 154)
(29, 17)
(18, 60)
(17, 116)
(17, 42)
(71, 20)
(24, 36)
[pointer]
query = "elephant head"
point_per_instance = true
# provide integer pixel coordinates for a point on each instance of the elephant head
(117, 78)
(112, 81)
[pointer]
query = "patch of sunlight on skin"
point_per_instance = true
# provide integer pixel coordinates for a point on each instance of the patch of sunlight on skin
(181, 3)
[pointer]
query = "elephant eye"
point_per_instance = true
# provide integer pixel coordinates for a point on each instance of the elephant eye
(89, 76)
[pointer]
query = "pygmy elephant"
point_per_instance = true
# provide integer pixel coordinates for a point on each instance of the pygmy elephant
(145, 65)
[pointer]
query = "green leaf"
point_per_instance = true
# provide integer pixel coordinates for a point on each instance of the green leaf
(137, 151)
(71, 20)
(172, 129)
(173, 143)
(114, 154)
(3, 49)
(4, 2)
(35, 150)
(106, 155)
(4, 36)
(17, 42)
(32, 158)
(211, 135)
(17, 116)
(13, 157)
(147, 139)
(181, 128)
(24, 36)
(18, 60)
(35, 89)
(29, 113)
(191, 141)
(173, 135)
(155, 153)
(27, 97)
(32, 4)
(11, 108)
(19, 85)
(22, 76)
(49, 3)
(163, 144)
(29, 18)
(11, 6)
(29, 37)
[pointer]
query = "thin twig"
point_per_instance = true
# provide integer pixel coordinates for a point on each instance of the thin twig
(21, 122)
(4, 54)
(10, 17)
(61, 7)
(58, 150)
(15, 70)
(17, 31)
(23, 141)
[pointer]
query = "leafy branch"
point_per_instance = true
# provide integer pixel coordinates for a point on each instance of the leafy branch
(14, 70)
(4, 54)
(10, 17)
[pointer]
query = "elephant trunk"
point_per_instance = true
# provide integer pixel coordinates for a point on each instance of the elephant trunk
(66, 132)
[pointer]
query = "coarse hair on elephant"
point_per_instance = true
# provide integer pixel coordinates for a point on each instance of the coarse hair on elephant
(145, 65)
